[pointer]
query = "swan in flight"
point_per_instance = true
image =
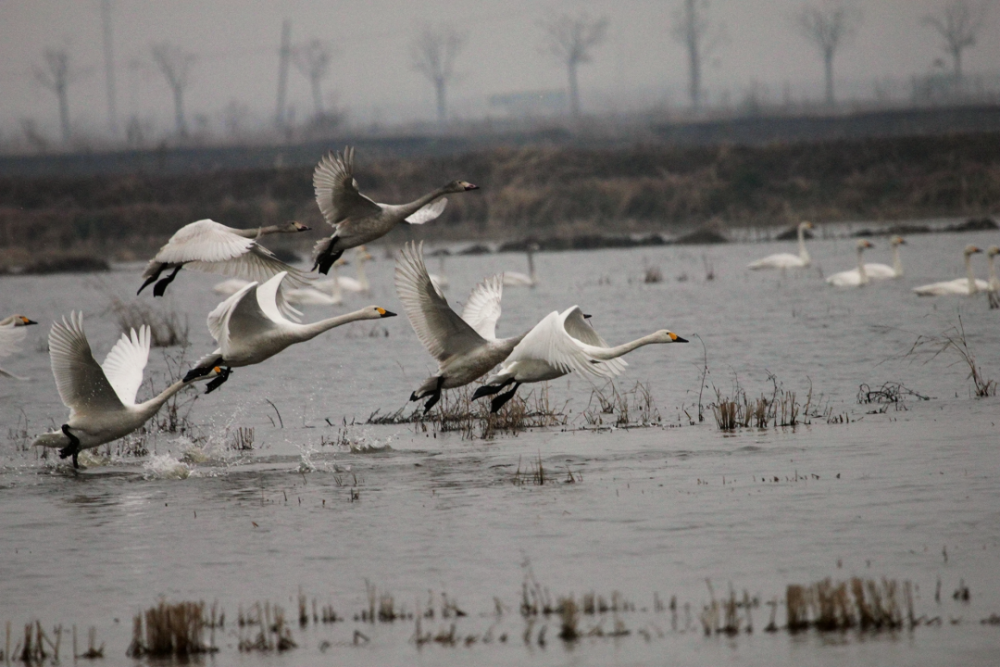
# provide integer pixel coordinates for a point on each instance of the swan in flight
(784, 260)
(466, 347)
(515, 279)
(356, 219)
(993, 284)
(854, 277)
(100, 398)
(11, 334)
(968, 286)
(884, 271)
(211, 247)
(559, 344)
(249, 329)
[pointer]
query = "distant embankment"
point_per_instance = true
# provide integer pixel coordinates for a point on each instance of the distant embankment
(527, 191)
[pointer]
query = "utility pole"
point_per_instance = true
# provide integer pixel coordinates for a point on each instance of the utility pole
(284, 56)
(109, 67)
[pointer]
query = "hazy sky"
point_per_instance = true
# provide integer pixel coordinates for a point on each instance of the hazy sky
(639, 66)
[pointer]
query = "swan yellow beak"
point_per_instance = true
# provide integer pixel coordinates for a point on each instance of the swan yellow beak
(385, 313)
(217, 370)
(677, 339)
(27, 321)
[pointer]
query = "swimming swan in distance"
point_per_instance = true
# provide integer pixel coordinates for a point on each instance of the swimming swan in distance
(784, 260)
(315, 293)
(360, 284)
(100, 398)
(515, 279)
(211, 247)
(356, 219)
(967, 286)
(439, 279)
(883, 271)
(249, 328)
(854, 277)
(466, 348)
(993, 284)
(11, 334)
(559, 344)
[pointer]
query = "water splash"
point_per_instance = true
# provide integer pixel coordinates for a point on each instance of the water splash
(165, 466)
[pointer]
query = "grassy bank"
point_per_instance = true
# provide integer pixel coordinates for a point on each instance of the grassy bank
(530, 191)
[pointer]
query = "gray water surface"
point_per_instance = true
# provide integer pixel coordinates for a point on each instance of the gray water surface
(907, 495)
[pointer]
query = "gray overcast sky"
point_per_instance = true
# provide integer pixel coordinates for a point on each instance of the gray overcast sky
(639, 66)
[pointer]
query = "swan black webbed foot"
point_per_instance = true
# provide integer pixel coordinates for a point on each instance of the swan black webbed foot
(224, 374)
(500, 400)
(325, 259)
(161, 286)
(72, 449)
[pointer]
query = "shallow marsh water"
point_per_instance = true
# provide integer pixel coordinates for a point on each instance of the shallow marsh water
(908, 495)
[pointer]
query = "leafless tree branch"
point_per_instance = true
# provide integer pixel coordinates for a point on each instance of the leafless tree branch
(572, 39)
(433, 53)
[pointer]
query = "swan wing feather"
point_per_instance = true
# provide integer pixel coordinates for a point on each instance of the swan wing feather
(259, 265)
(482, 310)
(428, 212)
(81, 381)
(439, 328)
(578, 327)
(125, 363)
(337, 192)
(548, 341)
(204, 240)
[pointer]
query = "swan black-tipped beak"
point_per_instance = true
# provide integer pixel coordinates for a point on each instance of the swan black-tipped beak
(386, 313)
(586, 316)
(300, 227)
(470, 186)
(27, 321)
(678, 339)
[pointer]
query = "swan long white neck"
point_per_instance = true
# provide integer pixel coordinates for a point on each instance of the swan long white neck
(408, 209)
(609, 353)
(862, 274)
(259, 231)
(992, 280)
(973, 287)
(309, 331)
(803, 253)
(153, 405)
(897, 263)
(362, 278)
(531, 265)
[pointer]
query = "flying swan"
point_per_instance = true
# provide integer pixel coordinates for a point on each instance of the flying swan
(249, 328)
(466, 348)
(559, 344)
(356, 219)
(784, 260)
(854, 277)
(100, 398)
(968, 285)
(11, 334)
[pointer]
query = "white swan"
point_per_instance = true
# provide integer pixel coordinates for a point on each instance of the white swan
(360, 284)
(211, 247)
(249, 328)
(968, 285)
(11, 334)
(883, 271)
(101, 399)
(854, 277)
(784, 260)
(993, 284)
(515, 279)
(314, 293)
(559, 344)
(466, 347)
(356, 219)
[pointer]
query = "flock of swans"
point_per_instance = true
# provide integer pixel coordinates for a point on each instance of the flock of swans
(258, 319)
(864, 273)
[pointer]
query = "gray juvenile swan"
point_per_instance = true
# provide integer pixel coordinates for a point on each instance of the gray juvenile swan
(357, 219)
(100, 398)
(562, 343)
(249, 328)
(11, 334)
(465, 347)
(211, 247)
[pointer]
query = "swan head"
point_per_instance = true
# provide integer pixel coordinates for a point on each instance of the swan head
(293, 226)
(21, 320)
(377, 313)
(864, 244)
(460, 186)
(666, 336)
(971, 250)
(805, 224)
(993, 251)
(897, 240)
(362, 254)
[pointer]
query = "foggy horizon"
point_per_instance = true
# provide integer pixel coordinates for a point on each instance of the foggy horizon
(640, 66)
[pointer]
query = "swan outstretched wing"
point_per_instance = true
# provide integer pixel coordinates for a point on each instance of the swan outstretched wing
(204, 240)
(81, 382)
(125, 363)
(548, 341)
(439, 328)
(428, 212)
(337, 191)
(482, 310)
(578, 327)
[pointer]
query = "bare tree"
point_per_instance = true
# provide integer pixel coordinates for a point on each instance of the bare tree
(175, 63)
(433, 53)
(56, 76)
(958, 23)
(699, 37)
(313, 59)
(828, 25)
(571, 38)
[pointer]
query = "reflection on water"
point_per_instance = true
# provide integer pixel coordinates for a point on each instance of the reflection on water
(640, 511)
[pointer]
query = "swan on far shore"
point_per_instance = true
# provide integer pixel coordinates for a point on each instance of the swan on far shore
(562, 343)
(100, 398)
(360, 284)
(11, 334)
(784, 260)
(853, 277)
(356, 219)
(515, 279)
(249, 329)
(466, 348)
(967, 286)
